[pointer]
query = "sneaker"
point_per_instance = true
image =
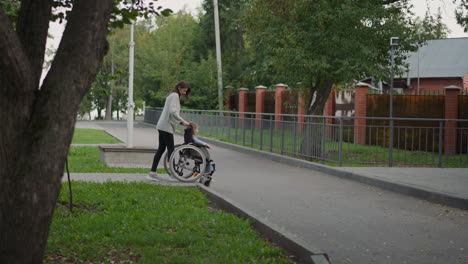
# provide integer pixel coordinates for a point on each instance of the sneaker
(153, 176)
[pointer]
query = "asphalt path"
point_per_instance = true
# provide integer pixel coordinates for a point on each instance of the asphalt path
(350, 221)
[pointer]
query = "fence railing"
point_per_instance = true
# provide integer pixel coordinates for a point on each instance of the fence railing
(338, 140)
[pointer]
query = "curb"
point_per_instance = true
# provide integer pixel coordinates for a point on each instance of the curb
(302, 252)
(398, 187)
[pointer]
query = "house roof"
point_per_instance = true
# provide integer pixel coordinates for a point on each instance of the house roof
(440, 58)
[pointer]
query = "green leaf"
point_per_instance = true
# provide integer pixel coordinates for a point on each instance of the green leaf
(166, 12)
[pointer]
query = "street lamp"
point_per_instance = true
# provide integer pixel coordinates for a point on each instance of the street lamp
(130, 104)
(218, 55)
(393, 44)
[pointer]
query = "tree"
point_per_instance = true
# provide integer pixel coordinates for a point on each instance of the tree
(163, 55)
(38, 119)
(235, 55)
(431, 27)
(461, 13)
(86, 106)
(315, 45)
(111, 86)
(202, 76)
(120, 99)
(116, 65)
(176, 58)
(11, 9)
(322, 43)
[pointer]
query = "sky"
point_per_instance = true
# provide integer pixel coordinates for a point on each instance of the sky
(176, 5)
(447, 8)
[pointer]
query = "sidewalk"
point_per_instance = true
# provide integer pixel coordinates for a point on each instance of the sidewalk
(448, 186)
(443, 185)
(350, 221)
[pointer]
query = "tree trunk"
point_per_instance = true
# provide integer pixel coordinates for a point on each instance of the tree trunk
(314, 131)
(109, 98)
(99, 113)
(37, 124)
(322, 90)
(109, 107)
(34, 12)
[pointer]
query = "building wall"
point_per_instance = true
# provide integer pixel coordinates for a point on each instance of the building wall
(435, 84)
(344, 103)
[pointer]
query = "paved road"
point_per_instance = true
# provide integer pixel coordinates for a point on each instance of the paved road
(352, 222)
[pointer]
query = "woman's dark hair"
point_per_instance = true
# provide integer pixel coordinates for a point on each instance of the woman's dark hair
(188, 134)
(182, 84)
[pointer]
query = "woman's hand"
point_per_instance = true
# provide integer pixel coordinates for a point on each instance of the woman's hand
(185, 123)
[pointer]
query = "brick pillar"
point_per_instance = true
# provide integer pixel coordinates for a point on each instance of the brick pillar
(279, 103)
(360, 110)
(330, 109)
(242, 101)
(451, 112)
(242, 106)
(259, 105)
(227, 98)
(301, 110)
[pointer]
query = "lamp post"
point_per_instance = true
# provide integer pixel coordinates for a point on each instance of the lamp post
(218, 55)
(130, 103)
(393, 44)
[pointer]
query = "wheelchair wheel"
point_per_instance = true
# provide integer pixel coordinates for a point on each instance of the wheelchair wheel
(187, 163)
(165, 160)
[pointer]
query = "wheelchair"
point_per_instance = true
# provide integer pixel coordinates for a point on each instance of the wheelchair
(189, 163)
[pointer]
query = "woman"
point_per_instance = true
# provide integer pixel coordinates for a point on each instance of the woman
(167, 122)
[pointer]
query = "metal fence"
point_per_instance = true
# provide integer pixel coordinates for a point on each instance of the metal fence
(338, 140)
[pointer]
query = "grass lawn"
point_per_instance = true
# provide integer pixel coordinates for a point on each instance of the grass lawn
(118, 222)
(93, 136)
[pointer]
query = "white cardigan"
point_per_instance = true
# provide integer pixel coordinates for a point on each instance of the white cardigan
(170, 115)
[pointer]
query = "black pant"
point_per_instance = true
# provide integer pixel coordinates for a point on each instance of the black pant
(166, 140)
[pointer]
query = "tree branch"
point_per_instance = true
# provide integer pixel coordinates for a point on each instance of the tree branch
(32, 27)
(15, 72)
(386, 2)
